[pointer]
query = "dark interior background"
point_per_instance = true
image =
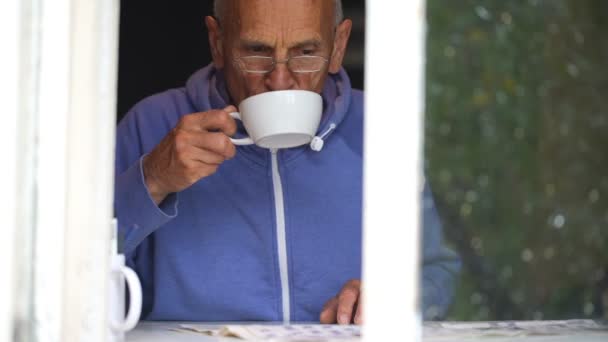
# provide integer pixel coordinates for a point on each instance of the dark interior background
(163, 42)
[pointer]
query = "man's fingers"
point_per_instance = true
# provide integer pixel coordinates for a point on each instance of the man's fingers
(206, 156)
(212, 120)
(230, 109)
(219, 143)
(211, 141)
(359, 313)
(219, 120)
(347, 299)
(328, 314)
(195, 163)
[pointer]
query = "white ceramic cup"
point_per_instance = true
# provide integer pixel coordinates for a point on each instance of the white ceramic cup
(121, 275)
(280, 119)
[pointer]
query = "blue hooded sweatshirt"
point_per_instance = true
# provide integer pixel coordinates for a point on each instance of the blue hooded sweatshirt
(272, 235)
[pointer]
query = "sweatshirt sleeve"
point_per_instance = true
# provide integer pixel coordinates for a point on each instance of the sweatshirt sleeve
(137, 213)
(440, 265)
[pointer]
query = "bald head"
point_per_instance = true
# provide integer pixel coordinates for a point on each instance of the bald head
(276, 31)
(221, 6)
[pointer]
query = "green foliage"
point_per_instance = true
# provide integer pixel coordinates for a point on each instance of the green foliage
(517, 95)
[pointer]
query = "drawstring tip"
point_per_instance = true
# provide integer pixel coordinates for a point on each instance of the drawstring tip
(316, 144)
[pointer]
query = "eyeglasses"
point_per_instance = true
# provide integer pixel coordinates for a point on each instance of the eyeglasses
(264, 65)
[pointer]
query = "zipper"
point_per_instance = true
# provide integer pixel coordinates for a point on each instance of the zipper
(281, 236)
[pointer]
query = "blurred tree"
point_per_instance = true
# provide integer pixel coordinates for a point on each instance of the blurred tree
(516, 106)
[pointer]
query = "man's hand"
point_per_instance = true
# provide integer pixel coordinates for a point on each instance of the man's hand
(194, 149)
(345, 308)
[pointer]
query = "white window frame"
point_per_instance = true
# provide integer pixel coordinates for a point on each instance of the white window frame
(58, 129)
(394, 97)
(72, 107)
(10, 23)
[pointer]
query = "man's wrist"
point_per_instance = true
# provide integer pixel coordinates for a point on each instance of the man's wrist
(155, 190)
(156, 195)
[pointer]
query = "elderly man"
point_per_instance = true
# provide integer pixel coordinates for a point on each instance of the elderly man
(220, 233)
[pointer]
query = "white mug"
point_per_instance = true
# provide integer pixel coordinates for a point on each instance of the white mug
(121, 274)
(280, 119)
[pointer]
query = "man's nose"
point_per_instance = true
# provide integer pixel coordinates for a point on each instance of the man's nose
(280, 78)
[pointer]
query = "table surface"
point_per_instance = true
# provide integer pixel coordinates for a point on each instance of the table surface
(165, 331)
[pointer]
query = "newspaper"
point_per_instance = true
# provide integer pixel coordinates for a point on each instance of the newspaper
(432, 331)
(293, 332)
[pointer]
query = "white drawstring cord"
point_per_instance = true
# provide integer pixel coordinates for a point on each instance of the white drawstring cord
(317, 142)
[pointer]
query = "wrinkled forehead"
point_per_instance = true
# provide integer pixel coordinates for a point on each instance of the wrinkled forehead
(268, 18)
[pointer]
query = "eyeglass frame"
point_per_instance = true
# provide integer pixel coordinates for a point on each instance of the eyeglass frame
(275, 62)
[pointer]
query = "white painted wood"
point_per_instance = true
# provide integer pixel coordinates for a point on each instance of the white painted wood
(51, 173)
(10, 21)
(25, 198)
(75, 157)
(90, 168)
(18, 65)
(394, 85)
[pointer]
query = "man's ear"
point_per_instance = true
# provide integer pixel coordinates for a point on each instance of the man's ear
(340, 44)
(215, 41)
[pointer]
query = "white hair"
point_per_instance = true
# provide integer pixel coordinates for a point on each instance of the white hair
(218, 10)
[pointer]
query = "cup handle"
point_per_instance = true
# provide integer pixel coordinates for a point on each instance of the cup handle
(135, 300)
(243, 141)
